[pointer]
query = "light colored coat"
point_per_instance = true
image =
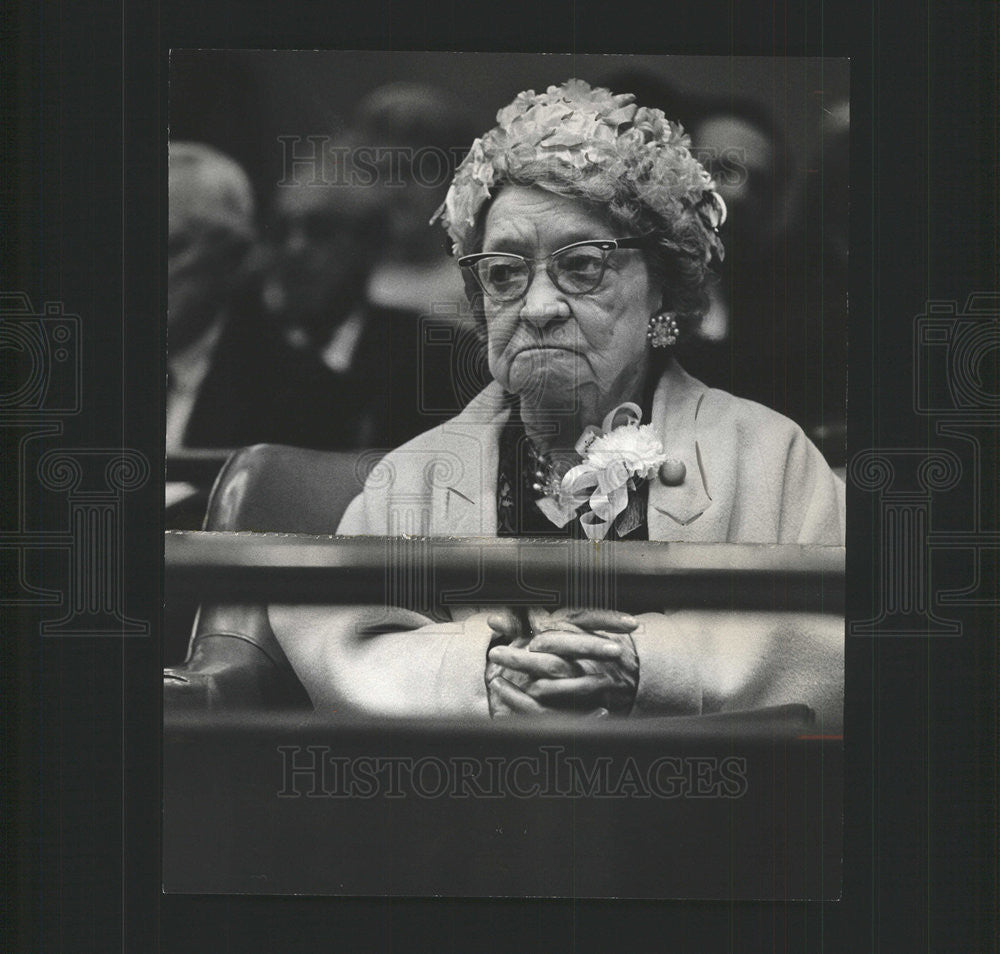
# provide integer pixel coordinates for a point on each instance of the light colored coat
(752, 476)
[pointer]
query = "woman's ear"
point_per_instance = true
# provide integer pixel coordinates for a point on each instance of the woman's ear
(661, 302)
(659, 299)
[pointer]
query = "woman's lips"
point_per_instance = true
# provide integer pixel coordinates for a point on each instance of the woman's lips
(545, 347)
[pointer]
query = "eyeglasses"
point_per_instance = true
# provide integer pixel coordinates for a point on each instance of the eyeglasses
(574, 269)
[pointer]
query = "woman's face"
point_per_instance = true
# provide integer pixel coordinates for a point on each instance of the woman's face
(581, 353)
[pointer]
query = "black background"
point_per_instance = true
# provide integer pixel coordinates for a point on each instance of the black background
(85, 121)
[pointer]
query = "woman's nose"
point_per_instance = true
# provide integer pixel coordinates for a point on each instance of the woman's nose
(543, 302)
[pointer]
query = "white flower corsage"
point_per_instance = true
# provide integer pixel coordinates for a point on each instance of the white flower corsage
(615, 459)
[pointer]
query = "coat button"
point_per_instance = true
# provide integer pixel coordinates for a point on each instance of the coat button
(672, 472)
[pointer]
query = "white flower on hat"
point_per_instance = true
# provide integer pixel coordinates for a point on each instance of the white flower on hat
(589, 130)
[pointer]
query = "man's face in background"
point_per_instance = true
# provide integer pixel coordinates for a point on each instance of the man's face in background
(322, 241)
(203, 262)
(741, 158)
(210, 228)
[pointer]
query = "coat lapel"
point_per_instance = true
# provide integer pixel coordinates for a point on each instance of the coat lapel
(463, 490)
(463, 487)
(674, 510)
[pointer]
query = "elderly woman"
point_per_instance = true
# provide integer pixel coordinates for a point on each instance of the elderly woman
(585, 230)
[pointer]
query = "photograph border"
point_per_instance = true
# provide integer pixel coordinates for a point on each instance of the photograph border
(921, 712)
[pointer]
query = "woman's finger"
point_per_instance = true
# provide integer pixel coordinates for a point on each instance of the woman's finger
(531, 663)
(610, 621)
(576, 646)
(516, 700)
(577, 687)
(538, 619)
(504, 623)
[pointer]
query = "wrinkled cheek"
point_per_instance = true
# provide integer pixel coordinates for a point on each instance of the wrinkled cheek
(617, 345)
(600, 326)
(498, 335)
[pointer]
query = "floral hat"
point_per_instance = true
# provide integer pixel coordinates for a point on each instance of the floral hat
(590, 131)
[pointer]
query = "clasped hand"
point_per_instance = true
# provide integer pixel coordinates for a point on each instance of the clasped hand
(580, 661)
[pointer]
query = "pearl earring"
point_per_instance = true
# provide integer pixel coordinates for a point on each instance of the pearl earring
(663, 330)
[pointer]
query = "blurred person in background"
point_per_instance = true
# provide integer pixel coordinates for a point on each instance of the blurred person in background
(418, 134)
(322, 244)
(820, 220)
(747, 153)
(386, 380)
(233, 377)
(740, 145)
(763, 338)
(210, 231)
(212, 399)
